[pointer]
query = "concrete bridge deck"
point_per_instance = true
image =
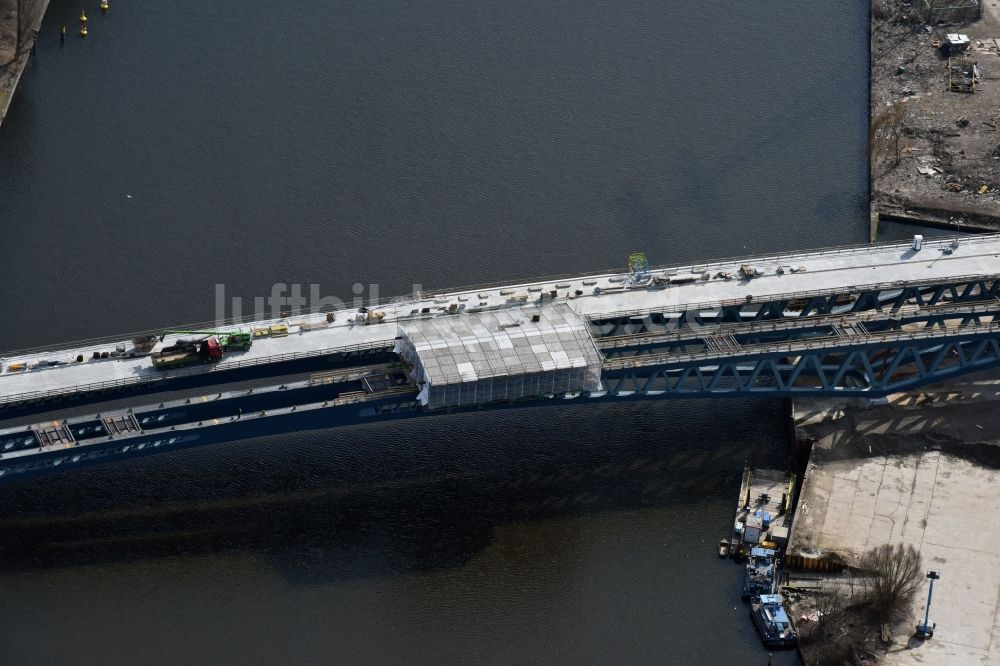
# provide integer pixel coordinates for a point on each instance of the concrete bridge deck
(54, 371)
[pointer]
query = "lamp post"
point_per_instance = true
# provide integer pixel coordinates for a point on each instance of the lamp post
(926, 630)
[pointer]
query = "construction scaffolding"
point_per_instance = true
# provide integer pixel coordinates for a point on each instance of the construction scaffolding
(933, 12)
(486, 357)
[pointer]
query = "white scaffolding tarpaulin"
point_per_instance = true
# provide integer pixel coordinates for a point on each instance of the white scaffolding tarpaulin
(470, 359)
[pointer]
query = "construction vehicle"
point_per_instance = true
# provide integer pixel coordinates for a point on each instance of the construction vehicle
(187, 352)
(207, 349)
(638, 265)
(229, 340)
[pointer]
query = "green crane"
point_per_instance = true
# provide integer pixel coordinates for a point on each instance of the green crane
(228, 340)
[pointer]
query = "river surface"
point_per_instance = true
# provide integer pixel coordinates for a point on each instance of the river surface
(184, 146)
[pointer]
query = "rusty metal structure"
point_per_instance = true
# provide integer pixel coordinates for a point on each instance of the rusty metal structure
(933, 12)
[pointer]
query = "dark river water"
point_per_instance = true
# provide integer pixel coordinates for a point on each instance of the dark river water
(183, 146)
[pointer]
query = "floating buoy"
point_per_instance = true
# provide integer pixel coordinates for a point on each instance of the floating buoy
(83, 16)
(104, 5)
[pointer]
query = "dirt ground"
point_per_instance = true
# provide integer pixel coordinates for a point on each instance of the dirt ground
(31, 17)
(954, 134)
(8, 15)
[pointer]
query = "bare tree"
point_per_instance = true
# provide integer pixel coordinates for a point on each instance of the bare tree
(885, 136)
(894, 575)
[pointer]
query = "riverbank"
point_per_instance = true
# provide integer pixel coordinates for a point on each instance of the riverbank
(919, 470)
(15, 56)
(935, 152)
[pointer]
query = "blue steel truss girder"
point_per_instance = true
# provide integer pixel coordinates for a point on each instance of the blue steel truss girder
(882, 341)
(705, 339)
(850, 299)
(873, 369)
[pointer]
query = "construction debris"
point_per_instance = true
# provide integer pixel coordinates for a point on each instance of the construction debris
(963, 75)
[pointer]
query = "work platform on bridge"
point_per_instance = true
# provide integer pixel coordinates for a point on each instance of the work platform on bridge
(795, 284)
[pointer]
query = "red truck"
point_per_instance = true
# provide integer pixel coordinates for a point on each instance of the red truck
(187, 352)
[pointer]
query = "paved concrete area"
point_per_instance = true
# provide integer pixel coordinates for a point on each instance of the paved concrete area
(927, 476)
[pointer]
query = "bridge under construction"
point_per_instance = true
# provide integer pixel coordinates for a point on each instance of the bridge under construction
(861, 321)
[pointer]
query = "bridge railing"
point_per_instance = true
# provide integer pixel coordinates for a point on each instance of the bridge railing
(783, 259)
(124, 382)
(800, 295)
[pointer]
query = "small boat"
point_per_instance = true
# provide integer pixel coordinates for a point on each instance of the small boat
(769, 616)
(723, 548)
